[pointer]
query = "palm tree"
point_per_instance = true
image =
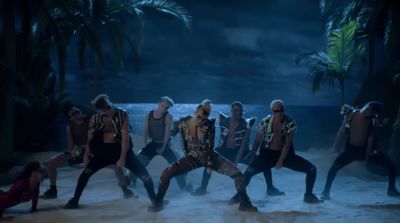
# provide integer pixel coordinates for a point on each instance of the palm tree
(334, 65)
(88, 20)
(53, 23)
(7, 92)
(374, 17)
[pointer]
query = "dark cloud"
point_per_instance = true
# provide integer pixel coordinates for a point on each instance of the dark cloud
(237, 49)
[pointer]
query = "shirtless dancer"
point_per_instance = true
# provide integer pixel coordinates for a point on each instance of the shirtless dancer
(275, 140)
(77, 134)
(360, 125)
(234, 146)
(110, 143)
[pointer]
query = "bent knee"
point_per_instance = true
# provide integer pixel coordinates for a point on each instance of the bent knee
(312, 169)
(87, 171)
(238, 174)
(145, 178)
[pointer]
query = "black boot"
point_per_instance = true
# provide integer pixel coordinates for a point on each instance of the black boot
(311, 198)
(199, 191)
(325, 195)
(273, 191)
(235, 199)
(188, 188)
(71, 204)
(245, 203)
(158, 205)
(51, 193)
(392, 192)
(127, 193)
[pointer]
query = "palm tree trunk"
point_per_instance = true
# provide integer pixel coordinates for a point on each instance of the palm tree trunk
(8, 84)
(61, 51)
(371, 55)
(342, 89)
(26, 18)
(96, 77)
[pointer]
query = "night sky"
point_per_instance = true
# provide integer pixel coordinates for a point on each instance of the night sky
(236, 50)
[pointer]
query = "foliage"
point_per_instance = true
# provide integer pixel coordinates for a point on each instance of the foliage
(334, 64)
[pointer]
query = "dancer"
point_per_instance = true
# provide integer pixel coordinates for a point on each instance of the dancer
(157, 127)
(360, 125)
(198, 134)
(77, 131)
(25, 188)
(275, 134)
(234, 146)
(110, 144)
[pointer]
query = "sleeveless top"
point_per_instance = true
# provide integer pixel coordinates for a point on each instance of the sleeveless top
(239, 132)
(157, 127)
(265, 127)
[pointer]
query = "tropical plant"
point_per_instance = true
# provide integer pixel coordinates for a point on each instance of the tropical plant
(46, 24)
(335, 63)
(374, 18)
(89, 20)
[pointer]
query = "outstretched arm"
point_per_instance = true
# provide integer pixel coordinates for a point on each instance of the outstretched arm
(90, 137)
(256, 145)
(167, 132)
(285, 149)
(241, 149)
(246, 138)
(370, 145)
(146, 129)
(339, 135)
(70, 139)
(124, 142)
(35, 199)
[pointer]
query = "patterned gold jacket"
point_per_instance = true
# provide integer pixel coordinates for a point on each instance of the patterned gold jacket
(265, 127)
(202, 147)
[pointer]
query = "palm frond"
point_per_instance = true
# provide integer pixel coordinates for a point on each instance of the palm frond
(326, 6)
(319, 57)
(342, 47)
(81, 51)
(118, 38)
(169, 7)
(389, 34)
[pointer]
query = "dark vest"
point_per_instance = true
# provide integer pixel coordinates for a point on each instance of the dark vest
(157, 127)
(266, 126)
(239, 132)
(117, 119)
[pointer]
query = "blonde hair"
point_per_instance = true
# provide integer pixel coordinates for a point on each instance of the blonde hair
(101, 101)
(277, 101)
(168, 100)
(205, 105)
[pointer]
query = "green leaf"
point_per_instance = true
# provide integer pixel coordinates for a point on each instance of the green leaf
(169, 7)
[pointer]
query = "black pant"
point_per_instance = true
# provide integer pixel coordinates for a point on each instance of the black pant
(231, 154)
(268, 158)
(147, 154)
(105, 154)
(353, 153)
(188, 163)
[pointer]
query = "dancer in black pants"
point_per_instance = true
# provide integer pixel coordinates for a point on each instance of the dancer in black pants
(275, 133)
(157, 127)
(109, 143)
(234, 146)
(198, 135)
(361, 145)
